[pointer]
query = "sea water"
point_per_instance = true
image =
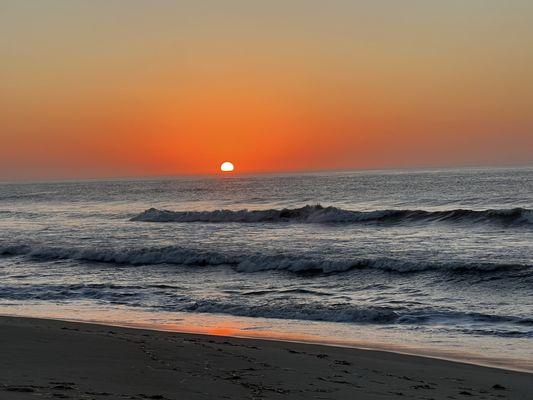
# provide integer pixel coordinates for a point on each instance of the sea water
(434, 259)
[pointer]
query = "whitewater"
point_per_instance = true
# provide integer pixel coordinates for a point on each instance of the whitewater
(431, 258)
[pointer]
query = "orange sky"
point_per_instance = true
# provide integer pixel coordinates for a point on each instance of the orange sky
(129, 88)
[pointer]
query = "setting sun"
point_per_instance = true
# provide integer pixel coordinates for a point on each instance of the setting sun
(226, 166)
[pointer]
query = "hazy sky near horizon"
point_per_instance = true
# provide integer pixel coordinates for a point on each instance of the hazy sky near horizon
(123, 88)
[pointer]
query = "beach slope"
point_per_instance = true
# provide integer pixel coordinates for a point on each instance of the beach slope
(43, 359)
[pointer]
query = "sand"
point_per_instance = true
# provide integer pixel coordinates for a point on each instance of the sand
(41, 359)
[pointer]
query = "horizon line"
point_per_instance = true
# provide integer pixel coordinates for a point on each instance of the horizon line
(259, 173)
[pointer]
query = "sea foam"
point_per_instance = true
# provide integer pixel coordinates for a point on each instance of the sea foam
(242, 262)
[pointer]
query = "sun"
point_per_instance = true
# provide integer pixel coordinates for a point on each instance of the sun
(226, 166)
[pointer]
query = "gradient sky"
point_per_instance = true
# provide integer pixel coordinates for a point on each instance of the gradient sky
(124, 88)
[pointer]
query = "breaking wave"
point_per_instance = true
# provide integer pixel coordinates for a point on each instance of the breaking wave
(307, 310)
(361, 314)
(320, 214)
(254, 262)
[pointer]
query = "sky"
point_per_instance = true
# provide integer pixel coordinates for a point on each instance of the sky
(92, 89)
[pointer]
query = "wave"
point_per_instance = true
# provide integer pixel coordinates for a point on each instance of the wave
(334, 215)
(24, 214)
(246, 263)
(302, 311)
(310, 310)
(351, 313)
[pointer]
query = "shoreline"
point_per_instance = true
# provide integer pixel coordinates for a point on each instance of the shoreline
(216, 325)
(55, 358)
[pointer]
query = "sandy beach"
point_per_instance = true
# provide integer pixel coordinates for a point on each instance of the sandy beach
(56, 359)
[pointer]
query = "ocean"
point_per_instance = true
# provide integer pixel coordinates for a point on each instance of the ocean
(435, 261)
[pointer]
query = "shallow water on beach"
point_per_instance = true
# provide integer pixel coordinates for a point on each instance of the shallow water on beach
(437, 259)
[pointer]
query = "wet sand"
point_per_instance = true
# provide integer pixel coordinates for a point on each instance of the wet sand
(41, 359)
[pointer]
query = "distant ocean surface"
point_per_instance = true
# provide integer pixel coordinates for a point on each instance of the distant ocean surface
(436, 258)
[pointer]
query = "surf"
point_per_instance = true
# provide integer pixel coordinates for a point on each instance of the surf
(319, 214)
